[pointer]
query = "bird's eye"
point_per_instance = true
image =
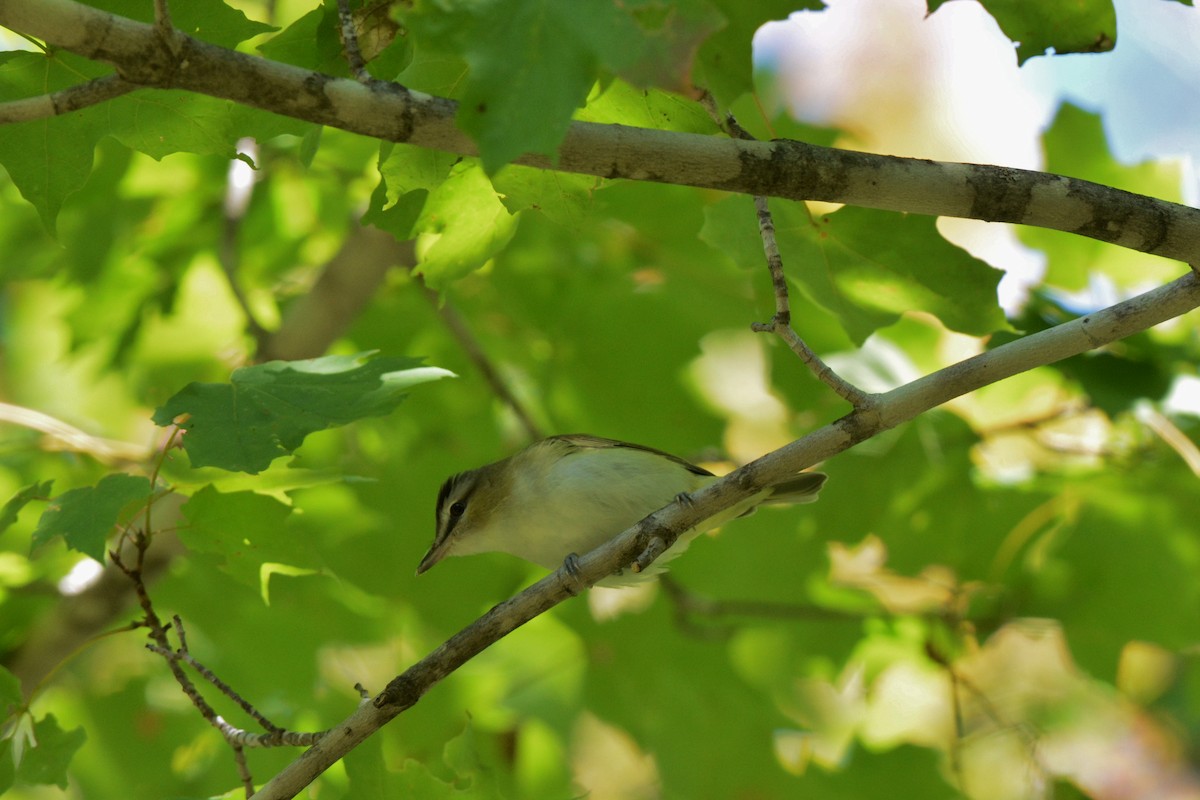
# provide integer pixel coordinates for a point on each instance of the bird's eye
(457, 509)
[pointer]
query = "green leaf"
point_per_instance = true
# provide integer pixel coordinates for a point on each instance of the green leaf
(85, 517)
(866, 267)
(159, 123)
(561, 197)
(1082, 26)
(47, 761)
(1117, 557)
(34, 491)
(314, 42)
(11, 696)
(725, 66)
(8, 771)
(310, 42)
(267, 410)
(623, 104)
(242, 532)
(671, 35)
(416, 780)
(210, 20)
(462, 225)
(532, 63)
(48, 159)
(407, 169)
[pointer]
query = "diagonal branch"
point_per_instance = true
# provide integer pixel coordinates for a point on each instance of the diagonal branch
(787, 169)
(893, 408)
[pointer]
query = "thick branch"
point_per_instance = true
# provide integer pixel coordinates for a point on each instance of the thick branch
(893, 408)
(787, 169)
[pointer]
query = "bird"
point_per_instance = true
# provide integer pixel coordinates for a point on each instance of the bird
(569, 494)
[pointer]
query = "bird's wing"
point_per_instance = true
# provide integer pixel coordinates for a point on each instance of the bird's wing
(583, 441)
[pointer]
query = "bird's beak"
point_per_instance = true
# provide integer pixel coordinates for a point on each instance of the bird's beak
(435, 554)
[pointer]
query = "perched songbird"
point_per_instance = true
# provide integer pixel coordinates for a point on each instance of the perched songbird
(569, 494)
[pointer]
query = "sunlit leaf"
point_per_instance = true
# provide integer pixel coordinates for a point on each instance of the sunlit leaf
(462, 225)
(1086, 26)
(266, 411)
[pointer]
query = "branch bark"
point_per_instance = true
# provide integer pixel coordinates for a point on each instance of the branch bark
(782, 168)
(65, 101)
(893, 408)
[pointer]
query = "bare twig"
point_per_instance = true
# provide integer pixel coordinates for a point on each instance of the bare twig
(461, 331)
(1028, 734)
(689, 605)
(238, 190)
(151, 621)
(781, 322)
(238, 738)
(165, 28)
(185, 655)
(243, 768)
(64, 101)
(350, 48)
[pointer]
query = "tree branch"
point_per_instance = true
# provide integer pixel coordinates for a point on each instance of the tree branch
(462, 333)
(348, 281)
(780, 323)
(787, 169)
(65, 101)
(663, 527)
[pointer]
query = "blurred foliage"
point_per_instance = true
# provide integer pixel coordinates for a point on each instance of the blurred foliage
(997, 600)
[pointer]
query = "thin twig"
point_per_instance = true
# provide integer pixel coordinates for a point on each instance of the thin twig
(1026, 731)
(64, 101)
(781, 323)
(162, 16)
(237, 200)
(221, 685)
(237, 738)
(350, 43)
(243, 768)
(152, 622)
(766, 231)
(461, 331)
(165, 28)
(689, 605)
(60, 436)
